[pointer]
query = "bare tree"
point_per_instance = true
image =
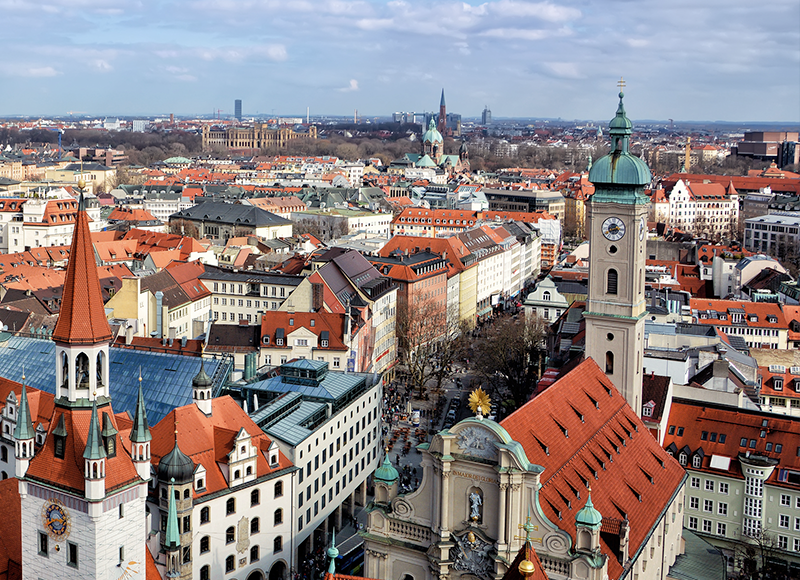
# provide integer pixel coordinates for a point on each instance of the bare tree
(756, 557)
(420, 328)
(511, 352)
(184, 228)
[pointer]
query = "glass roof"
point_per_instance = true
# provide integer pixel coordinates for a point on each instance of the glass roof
(166, 378)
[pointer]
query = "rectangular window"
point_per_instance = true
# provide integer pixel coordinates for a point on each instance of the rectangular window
(786, 500)
(72, 555)
(707, 526)
(709, 485)
(783, 521)
(722, 529)
(722, 508)
(723, 488)
(43, 544)
(783, 542)
(695, 482)
(694, 503)
(692, 523)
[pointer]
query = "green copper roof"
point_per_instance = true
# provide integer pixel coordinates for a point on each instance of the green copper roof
(386, 472)
(201, 380)
(108, 426)
(94, 443)
(141, 430)
(432, 135)
(587, 516)
(619, 167)
(172, 540)
(333, 553)
(425, 161)
(24, 429)
(60, 430)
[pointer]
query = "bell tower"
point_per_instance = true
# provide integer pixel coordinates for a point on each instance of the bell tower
(615, 307)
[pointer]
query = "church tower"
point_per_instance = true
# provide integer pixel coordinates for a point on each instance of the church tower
(82, 497)
(615, 307)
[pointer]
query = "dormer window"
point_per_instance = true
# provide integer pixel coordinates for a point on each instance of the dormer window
(279, 341)
(266, 340)
(777, 383)
(323, 343)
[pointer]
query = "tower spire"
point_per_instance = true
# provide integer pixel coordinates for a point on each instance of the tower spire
(172, 538)
(141, 429)
(333, 553)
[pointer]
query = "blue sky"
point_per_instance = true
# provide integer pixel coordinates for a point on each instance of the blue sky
(682, 59)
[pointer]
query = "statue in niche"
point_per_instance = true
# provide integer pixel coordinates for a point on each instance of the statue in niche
(476, 507)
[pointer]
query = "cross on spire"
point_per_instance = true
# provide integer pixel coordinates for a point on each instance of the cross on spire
(621, 83)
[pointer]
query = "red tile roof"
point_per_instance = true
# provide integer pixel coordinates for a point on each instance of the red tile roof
(332, 323)
(583, 432)
(67, 473)
(757, 314)
(691, 427)
(82, 319)
(209, 440)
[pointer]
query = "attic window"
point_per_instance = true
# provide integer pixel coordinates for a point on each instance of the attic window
(648, 476)
(777, 383)
(266, 340)
(279, 341)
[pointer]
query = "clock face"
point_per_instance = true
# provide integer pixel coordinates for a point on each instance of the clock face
(642, 228)
(55, 519)
(613, 229)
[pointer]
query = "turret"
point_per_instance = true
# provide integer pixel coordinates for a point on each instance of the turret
(172, 537)
(94, 456)
(23, 435)
(587, 527)
(141, 437)
(385, 479)
(333, 553)
(201, 390)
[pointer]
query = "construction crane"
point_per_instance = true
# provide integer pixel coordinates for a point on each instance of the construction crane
(60, 132)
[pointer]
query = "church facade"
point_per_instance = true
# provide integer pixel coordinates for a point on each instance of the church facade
(600, 498)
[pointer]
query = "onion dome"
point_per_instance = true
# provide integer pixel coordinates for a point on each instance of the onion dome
(587, 516)
(620, 167)
(176, 465)
(432, 135)
(386, 472)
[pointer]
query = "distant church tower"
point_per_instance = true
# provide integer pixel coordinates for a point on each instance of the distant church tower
(83, 493)
(615, 308)
(442, 126)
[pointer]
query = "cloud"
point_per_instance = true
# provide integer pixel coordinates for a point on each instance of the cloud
(43, 71)
(353, 86)
(102, 65)
(564, 70)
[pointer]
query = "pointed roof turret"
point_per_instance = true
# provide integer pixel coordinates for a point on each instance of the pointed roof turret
(333, 553)
(141, 430)
(201, 380)
(61, 428)
(82, 319)
(732, 189)
(587, 516)
(172, 539)
(24, 429)
(94, 442)
(441, 102)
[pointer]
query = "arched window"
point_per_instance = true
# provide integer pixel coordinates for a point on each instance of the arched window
(237, 474)
(99, 368)
(205, 544)
(696, 461)
(82, 371)
(279, 489)
(682, 459)
(611, 281)
(609, 362)
(546, 295)
(254, 556)
(255, 497)
(255, 526)
(186, 494)
(230, 535)
(205, 572)
(278, 516)
(163, 493)
(249, 470)
(64, 369)
(4, 453)
(230, 564)
(230, 506)
(277, 544)
(205, 515)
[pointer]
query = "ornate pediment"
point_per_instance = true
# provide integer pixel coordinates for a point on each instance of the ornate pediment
(477, 442)
(474, 554)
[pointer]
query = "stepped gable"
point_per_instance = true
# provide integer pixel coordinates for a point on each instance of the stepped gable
(583, 432)
(67, 473)
(82, 319)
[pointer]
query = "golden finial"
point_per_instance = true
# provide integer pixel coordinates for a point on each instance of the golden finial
(140, 374)
(23, 374)
(526, 567)
(479, 402)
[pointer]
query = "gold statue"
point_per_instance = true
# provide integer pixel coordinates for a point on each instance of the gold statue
(480, 402)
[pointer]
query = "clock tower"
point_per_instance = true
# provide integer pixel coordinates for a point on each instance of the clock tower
(615, 307)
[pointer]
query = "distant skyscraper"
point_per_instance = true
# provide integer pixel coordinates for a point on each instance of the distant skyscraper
(237, 109)
(486, 116)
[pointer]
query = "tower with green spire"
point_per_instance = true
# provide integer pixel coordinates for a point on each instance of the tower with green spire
(615, 306)
(23, 435)
(141, 437)
(333, 553)
(94, 460)
(172, 537)
(587, 530)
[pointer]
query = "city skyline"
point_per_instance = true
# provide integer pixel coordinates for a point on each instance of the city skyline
(730, 61)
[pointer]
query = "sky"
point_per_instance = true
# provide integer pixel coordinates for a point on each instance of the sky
(687, 60)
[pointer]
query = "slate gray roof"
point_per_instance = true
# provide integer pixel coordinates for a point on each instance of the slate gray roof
(230, 213)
